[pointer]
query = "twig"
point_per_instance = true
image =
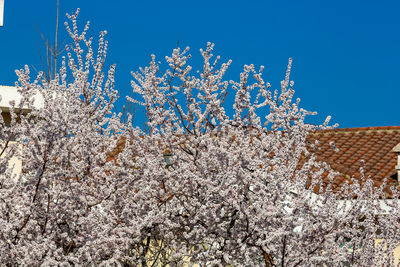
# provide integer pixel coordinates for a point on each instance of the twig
(55, 44)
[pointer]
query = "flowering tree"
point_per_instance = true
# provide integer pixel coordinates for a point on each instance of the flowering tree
(196, 185)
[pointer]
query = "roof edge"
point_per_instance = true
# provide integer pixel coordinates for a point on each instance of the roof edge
(366, 128)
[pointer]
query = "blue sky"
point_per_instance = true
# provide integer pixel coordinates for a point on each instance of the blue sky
(346, 53)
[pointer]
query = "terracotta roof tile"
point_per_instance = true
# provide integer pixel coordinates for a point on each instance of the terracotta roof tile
(373, 145)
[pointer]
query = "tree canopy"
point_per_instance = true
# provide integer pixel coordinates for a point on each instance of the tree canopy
(195, 186)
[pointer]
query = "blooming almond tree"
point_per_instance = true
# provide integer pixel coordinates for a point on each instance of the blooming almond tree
(196, 186)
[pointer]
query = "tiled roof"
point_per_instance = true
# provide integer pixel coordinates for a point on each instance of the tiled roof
(371, 145)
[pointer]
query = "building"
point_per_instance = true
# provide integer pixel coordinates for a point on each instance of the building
(1, 12)
(8, 95)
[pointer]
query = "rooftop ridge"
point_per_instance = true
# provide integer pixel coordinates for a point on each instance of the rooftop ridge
(358, 130)
(371, 128)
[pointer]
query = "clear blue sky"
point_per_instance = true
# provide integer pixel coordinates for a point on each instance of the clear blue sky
(346, 53)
